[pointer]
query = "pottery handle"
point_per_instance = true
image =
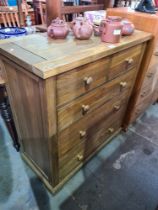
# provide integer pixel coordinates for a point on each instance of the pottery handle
(52, 33)
(78, 32)
(103, 27)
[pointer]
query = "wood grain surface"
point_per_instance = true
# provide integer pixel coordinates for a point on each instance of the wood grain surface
(72, 84)
(96, 127)
(46, 57)
(72, 112)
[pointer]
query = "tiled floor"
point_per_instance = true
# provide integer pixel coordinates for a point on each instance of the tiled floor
(122, 176)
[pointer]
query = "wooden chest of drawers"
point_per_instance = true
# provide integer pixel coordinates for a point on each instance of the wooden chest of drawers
(147, 90)
(68, 104)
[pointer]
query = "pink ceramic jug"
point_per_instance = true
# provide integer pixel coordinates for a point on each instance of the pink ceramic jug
(58, 29)
(128, 27)
(110, 29)
(82, 28)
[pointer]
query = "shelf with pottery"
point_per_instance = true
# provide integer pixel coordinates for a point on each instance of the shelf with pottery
(69, 97)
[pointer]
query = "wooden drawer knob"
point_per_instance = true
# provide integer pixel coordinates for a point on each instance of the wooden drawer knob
(156, 53)
(116, 107)
(88, 80)
(150, 74)
(123, 84)
(129, 61)
(80, 157)
(143, 94)
(82, 134)
(85, 109)
(111, 130)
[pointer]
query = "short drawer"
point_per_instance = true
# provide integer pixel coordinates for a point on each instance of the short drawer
(74, 83)
(86, 104)
(147, 86)
(124, 61)
(151, 78)
(143, 104)
(96, 136)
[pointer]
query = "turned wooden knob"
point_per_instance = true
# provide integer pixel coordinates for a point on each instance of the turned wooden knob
(111, 130)
(88, 80)
(137, 112)
(156, 53)
(129, 61)
(80, 157)
(116, 107)
(82, 134)
(123, 84)
(143, 94)
(150, 74)
(85, 109)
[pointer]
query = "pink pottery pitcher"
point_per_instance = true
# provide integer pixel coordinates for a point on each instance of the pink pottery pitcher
(82, 28)
(128, 27)
(110, 29)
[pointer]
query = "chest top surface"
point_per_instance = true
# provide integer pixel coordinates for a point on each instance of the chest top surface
(46, 57)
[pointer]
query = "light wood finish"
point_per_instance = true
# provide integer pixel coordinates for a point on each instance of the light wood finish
(122, 62)
(14, 15)
(10, 18)
(42, 9)
(147, 84)
(26, 108)
(96, 135)
(71, 136)
(60, 130)
(73, 112)
(73, 83)
(46, 57)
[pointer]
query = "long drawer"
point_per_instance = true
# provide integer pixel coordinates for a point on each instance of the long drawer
(81, 80)
(141, 107)
(123, 61)
(150, 81)
(74, 134)
(84, 105)
(96, 134)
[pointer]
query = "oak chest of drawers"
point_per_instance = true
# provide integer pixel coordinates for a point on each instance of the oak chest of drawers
(68, 97)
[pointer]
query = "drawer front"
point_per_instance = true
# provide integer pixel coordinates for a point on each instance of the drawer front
(86, 104)
(79, 81)
(96, 135)
(124, 61)
(150, 82)
(147, 86)
(73, 135)
(155, 95)
(141, 107)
